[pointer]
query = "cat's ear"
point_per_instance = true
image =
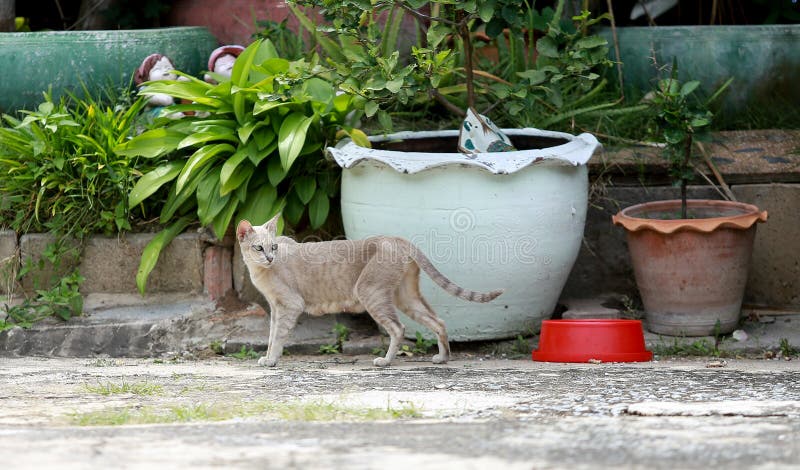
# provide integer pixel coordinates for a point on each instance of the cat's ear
(243, 230)
(272, 225)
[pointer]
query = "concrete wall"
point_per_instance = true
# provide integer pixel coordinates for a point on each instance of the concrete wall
(191, 266)
(8, 260)
(109, 265)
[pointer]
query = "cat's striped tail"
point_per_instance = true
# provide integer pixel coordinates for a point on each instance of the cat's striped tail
(449, 286)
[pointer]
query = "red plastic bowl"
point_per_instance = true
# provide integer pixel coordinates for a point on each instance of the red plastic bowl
(582, 340)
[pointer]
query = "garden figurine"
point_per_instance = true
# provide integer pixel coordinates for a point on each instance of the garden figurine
(221, 61)
(478, 134)
(157, 67)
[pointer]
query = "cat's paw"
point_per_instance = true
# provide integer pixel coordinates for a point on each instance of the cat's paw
(381, 362)
(267, 362)
(440, 359)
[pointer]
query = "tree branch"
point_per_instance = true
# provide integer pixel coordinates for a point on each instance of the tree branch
(447, 104)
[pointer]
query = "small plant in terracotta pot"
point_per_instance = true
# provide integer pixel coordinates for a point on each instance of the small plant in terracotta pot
(690, 257)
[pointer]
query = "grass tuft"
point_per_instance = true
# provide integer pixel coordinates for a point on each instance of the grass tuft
(110, 388)
(314, 411)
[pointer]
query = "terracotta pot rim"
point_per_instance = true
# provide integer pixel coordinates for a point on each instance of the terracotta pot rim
(749, 215)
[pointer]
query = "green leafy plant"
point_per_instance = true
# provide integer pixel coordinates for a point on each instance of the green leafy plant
(61, 176)
(245, 353)
(521, 346)
(787, 350)
(252, 148)
(63, 301)
(217, 347)
(342, 332)
(60, 172)
(682, 120)
(422, 345)
(561, 81)
(679, 347)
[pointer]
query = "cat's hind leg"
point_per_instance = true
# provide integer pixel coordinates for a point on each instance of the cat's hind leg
(418, 310)
(381, 308)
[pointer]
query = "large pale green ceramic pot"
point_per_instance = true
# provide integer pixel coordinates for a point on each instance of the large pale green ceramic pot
(62, 60)
(509, 220)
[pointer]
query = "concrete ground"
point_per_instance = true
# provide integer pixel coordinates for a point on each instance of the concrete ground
(339, 411)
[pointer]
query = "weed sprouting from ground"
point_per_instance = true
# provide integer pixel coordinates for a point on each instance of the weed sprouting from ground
(342, 332)
(245, 353)
(314, 411)
(422, 345)
(700, 347)
(787, 350)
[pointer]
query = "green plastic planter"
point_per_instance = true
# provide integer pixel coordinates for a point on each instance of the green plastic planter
(763, 60)
(62, 60)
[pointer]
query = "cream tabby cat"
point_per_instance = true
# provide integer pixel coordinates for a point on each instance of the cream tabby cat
(378, 274)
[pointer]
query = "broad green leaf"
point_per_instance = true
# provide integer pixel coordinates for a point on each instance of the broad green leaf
(262, 106)
(305, 187)
(318, 209)
(341, 103)
(232, 163)
(239, 76)
(436, 33)
(190, 91)
(259, 205)
(176, 200)
(590, 42)
(220, 133)
(370, 108)
(209, 201)
(674, 136)
(189, 108)
(223, 219)
(153, 250)
(319, 90)
(385, 120)
(149, 183)
(486, 10)
(689, 87)
(243, 64)
(359, 138)
(263, 137)
(275, 171)
(239, 177)
(247, 129)
(547, 47)
(534, 76)
(275, 66)
(294, 208)
(199, 159)
(394, 85)
(151, 144)
(292, 137)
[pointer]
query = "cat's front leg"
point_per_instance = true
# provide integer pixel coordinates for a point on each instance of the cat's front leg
(282, 322)
(265, 360)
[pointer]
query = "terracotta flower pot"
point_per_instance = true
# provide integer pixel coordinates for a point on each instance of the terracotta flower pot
(691, 273)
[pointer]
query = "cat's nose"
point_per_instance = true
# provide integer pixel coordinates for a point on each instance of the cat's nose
(270, 257)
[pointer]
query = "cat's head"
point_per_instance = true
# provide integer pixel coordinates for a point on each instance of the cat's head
(258, 243)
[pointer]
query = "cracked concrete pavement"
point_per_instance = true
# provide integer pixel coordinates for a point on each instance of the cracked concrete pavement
(474, 412)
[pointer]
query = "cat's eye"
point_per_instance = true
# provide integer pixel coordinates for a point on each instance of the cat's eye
(274, 247)
(258, 247)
